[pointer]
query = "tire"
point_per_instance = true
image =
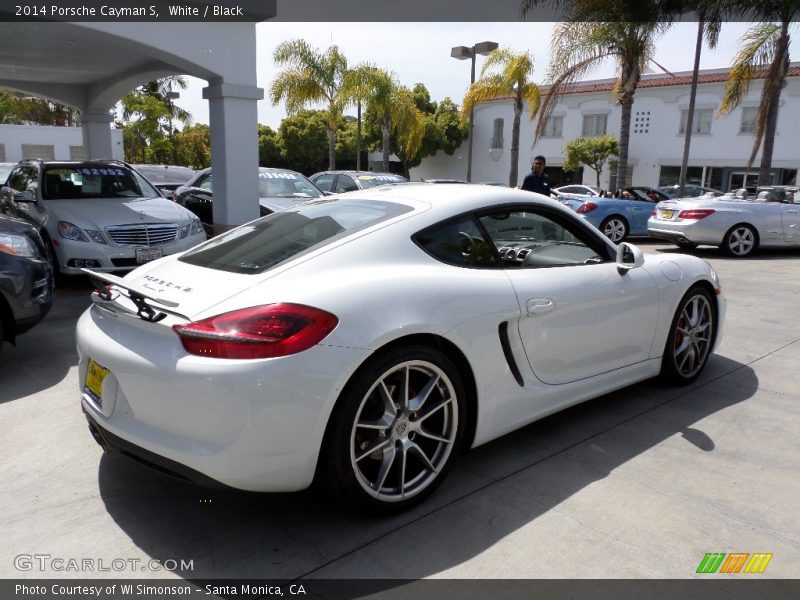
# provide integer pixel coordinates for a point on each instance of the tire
(615, 228)
(689, 345)
(386, 449)
(686, 245)
(740, 241)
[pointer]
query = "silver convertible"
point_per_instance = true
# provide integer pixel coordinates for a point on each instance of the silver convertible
(737, 225)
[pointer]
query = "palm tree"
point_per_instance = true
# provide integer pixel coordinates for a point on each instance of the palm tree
(515, 68)
(764, 50)
(578, 47)
(393, 107)
(311, 76)
(356, 88)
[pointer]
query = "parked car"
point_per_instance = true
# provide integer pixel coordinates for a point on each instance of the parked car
(689, 191)
(576, 190)
(444, 181)
(26, 278)
(277, 189)
(97, 214)
(739, 226)
(337, 182)
(166, 178)
(617, 218)
(364, 339)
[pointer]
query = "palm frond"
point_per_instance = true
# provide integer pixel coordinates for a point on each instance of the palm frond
(757, 50)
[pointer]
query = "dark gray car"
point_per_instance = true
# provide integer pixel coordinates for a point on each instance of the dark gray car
(26, 278)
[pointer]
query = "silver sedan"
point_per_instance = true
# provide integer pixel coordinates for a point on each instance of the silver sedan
(738, 226)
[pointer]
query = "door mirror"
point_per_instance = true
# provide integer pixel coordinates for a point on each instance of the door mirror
(25, 196)
(628, 257)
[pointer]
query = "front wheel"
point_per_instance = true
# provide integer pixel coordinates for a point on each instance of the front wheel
(395, 430)
(740, 241)
(690, 338)
(615, 228)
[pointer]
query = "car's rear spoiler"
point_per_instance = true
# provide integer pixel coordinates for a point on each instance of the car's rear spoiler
(149, 306)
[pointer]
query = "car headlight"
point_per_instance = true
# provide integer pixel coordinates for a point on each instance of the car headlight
(197, 227)
(96, 236)
(184, 230)
(18, 245)
(71, 232)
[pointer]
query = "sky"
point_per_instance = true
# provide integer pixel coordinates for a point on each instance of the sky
(420, 52)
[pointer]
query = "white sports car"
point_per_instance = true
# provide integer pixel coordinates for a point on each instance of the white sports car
(364, 339)
(737, 225)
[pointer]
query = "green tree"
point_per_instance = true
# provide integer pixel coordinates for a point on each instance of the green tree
(451, 129)
(356, 89)
(590, 151)
(192, 146)
(506, 73)
(764, 49)
(269, 148)
(311, 77)
(392, 107)
(20, 109)
(302, 141)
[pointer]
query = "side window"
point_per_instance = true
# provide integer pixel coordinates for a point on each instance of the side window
(345, 183)
(529, 239)
(204, 182)
(25, 179)
(458, 242)
(324, 182)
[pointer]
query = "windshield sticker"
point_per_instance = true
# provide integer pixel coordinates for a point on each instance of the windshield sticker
(100, 171)
(380, 177)
(91, 185)
(278, 175)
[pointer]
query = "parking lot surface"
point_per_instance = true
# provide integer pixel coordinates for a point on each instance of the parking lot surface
(641, 483)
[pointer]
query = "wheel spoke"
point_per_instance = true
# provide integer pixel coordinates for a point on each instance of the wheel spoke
(418, 401)
(386, 466)
(381, 445)
(381, 424)
(429, 466)
(389, 407)
(433, 410)
(403, 464)
(406, 391)
(433, 436)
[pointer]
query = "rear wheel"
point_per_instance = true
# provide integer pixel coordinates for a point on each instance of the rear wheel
(396, 428)
(690, 338)
(740, 241)
(615, 228)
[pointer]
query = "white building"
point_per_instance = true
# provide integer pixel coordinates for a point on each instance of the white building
(719, 150)
(49, 142)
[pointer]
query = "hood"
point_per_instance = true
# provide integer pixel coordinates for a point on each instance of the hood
(98, 213)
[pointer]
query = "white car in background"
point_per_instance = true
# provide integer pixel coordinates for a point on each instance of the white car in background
(364, 339)
(98, 214)
(576, 191)
(738, 225)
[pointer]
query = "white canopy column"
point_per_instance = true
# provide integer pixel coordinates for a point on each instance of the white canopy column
(97, 133)
(234, 152)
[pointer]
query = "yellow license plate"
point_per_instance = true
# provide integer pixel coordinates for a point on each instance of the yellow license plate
(95, 374)
(667, 214)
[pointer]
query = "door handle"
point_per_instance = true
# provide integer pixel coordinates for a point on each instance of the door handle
(539, 306)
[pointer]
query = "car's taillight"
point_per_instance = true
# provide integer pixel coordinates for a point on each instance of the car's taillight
(258, 332)
(586, 207)
(695, 213)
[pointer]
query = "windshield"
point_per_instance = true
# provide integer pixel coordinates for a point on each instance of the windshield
(368, 181)
(262, 244)
(92, 181)
(285, 184)
(5, 170)
(165, 173)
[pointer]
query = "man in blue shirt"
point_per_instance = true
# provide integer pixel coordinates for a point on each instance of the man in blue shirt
(537, 180)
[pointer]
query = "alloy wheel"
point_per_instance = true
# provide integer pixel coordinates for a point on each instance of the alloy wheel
(693, 336)
(615, 230)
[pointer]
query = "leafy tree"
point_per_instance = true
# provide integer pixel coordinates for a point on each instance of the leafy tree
(590, 151)
(506, 72)
(450, 127)
(192, 146)
(764, 48)
(269, 148)
(356, 89)
(311, 77)
(302, 141)
(19, 109)
(347, 143)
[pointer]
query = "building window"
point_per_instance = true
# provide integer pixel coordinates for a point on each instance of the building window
(748, 124)
(552, 127)
(497, 135)
(43, 151)
(594, 125)
(701, 122)
(641, 122)
(2, 153)
(77, 153)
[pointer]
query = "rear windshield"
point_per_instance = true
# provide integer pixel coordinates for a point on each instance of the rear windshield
(165, 174)
(262, 244)
(92, 181)
(368, 181)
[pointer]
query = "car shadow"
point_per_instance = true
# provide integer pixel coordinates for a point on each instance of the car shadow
(497, 489)
(42, 356)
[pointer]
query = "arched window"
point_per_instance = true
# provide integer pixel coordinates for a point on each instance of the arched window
(497, 135)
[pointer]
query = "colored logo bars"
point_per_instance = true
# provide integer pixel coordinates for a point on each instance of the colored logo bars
(736, 562)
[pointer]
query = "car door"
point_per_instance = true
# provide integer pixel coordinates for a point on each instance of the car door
(579, 316)
(640, 211)
(24, 179)
(790, 219)
(324, 181)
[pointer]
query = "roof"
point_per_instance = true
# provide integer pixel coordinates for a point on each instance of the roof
(662, 80)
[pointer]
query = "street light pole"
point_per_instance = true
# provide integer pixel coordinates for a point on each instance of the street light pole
(463, 53)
